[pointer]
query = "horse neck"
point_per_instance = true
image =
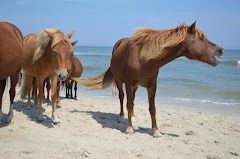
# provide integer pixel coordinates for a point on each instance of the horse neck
(172, 55)
(47, 57)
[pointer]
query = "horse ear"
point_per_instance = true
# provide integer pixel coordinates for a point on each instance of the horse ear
(70, 34)
(50, 34)
(73, 43)
(191, 29)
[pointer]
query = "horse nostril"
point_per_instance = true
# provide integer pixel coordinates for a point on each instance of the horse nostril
(69, 71)
(59, 76)
(220, 51)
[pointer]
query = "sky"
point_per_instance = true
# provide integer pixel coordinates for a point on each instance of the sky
(103, 22)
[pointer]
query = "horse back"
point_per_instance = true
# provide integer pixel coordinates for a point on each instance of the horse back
(28, 37)
(77, 68)
(11, 32)
(29, 42)
(127, 66)
(125, 59)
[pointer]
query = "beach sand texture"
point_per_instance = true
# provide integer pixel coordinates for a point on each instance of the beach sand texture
(90, 129)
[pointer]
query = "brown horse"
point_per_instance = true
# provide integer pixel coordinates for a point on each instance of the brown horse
(48, 54)
(136, 62)
(10, 61)
(69, 84)
(77, 70)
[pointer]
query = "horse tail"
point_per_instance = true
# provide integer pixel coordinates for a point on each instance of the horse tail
(26, 87)
(102, 81)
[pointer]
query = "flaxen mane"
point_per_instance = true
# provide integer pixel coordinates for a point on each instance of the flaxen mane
(43, 40)
(157, 43)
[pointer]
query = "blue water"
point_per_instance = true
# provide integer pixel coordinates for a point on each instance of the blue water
(182, 81)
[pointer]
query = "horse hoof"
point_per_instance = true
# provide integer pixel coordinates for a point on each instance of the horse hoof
(55, 120)
(40, 118)
(121, 119)
(157, 134)
(129, 130)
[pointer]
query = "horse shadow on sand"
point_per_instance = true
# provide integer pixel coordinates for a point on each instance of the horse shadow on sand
(20, 106)
(110, 120)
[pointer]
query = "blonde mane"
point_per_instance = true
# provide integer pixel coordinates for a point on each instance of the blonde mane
(43, 40)
(157, 43)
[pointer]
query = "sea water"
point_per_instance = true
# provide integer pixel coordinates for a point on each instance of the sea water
(181, 82)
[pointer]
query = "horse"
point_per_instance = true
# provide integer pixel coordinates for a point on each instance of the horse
(46, 83)
(48, 54)
(69, 82)
(136, 62)
(10, 61)
(77, 70)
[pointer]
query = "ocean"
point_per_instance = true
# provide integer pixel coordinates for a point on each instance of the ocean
(182, 81)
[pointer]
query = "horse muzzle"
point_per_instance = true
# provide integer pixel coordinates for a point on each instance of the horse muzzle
(217, 53)
(63, 75)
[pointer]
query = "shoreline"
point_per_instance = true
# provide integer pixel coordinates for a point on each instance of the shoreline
(197, 106)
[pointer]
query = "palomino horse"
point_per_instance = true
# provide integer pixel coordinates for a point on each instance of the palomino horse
(10, 61)
(136, 62)
(77, 70)
(46, 83)
(48, 54)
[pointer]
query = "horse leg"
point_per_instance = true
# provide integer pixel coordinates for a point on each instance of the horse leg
(55, 118)
(119, 85)
(43, 87)
(65, 85)
(28, 82)
(34, 91)
(48, 86)
(2, 88)
(58, 92)
(152, 109)
(34, 87)
(12, 93)
(134, 92)
(130, 97)
(75, 90)
(40, 99)
(67, 89)
(71, 85)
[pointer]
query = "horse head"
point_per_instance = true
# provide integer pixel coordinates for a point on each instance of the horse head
(197, 46)
(63, 53)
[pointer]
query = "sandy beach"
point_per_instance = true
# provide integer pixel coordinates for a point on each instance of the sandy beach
(89, 129)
